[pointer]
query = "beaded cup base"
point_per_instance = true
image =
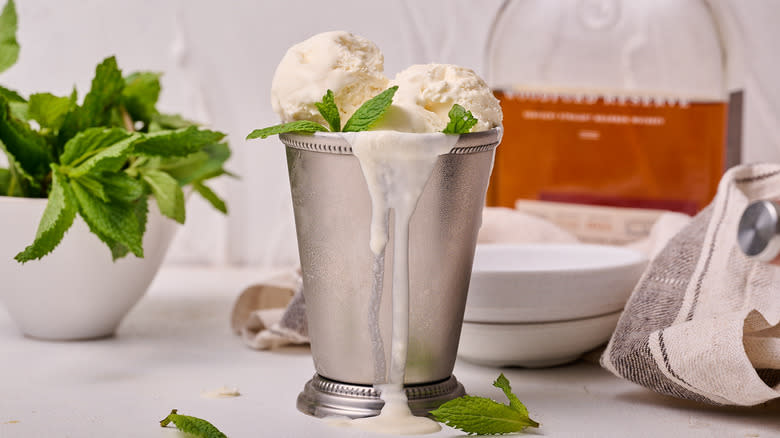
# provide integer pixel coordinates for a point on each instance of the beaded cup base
(322, 397)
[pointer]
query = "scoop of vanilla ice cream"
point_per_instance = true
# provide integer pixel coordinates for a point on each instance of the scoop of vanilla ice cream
(349, 65)
(436, 87)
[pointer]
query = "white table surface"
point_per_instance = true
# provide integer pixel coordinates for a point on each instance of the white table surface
(177, 343)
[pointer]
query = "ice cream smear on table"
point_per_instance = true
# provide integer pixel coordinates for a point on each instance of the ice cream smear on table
(397, 156)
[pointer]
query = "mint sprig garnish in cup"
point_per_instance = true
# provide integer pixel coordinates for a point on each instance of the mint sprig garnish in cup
(366, 116)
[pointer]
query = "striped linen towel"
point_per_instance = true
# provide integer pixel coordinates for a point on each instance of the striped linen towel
(703, 323)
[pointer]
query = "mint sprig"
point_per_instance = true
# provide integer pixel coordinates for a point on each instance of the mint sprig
(103, 159)
(365, 117)
(483, 416)
(329, 111)
(192, 425)
(371, 111)
(461, 121)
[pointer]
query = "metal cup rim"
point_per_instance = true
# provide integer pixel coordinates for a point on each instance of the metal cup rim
(334, 142)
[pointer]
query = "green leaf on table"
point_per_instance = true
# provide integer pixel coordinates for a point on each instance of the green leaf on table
(483, 416)
(461, 121)
(167, 192)
(48, 110)
(140, 95)
(9, 47)
(113, 222)
(192, 425)
(298, 126)
(178, 143)
(88, 142)
(329, 111)
(103, 96)
(57, 218)
(109, 159)
(371, 111)
(503, 383)
(25, 148)
(210, 196)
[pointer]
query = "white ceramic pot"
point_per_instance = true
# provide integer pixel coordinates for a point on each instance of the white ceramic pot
(76, 292)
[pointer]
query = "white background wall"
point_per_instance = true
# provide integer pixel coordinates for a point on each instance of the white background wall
(219, 57)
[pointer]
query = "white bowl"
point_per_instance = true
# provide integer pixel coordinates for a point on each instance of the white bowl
(76, 292)
(550, 282)
(534, 345)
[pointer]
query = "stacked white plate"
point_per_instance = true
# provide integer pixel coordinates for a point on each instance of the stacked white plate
(546, 304)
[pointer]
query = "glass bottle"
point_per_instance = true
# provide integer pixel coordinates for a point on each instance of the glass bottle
(617, 103)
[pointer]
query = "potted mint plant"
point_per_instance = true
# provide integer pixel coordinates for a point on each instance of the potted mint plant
(91, 195)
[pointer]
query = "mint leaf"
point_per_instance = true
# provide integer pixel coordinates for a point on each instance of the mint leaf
(141, 212)
(114, 222)
(25, 148)
(11, 184)
(329, 111)
(461, 121)
(483, 416)
(210, 196)
(298, 126)
(93, 186)
(9, 47)
(104, 93)
(371, 111)
(140, 209)
(11, 95)
(167, 192)
(121, 187)
(48, 110)
(514, 402)
(140, 95)
(5, 182)
(103, 96)
(57, 219)
(87, 143)
(179, 143)
(171, 121)
(192, 425)
(109, 159)
(205, 164)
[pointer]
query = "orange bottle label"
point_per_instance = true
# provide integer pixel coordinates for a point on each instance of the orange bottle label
(617, 151)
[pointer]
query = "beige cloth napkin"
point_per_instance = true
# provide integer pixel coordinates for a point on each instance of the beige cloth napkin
(703, 322)
(272, 314)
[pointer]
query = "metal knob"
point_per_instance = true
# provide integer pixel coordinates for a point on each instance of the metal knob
(759, 231)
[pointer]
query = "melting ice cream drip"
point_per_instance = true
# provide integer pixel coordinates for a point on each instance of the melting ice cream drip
(396, 167)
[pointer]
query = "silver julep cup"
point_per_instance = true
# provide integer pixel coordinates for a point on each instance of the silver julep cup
(332, 216)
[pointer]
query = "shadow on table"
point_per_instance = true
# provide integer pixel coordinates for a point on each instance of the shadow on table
(640, 395)
(292, 350)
